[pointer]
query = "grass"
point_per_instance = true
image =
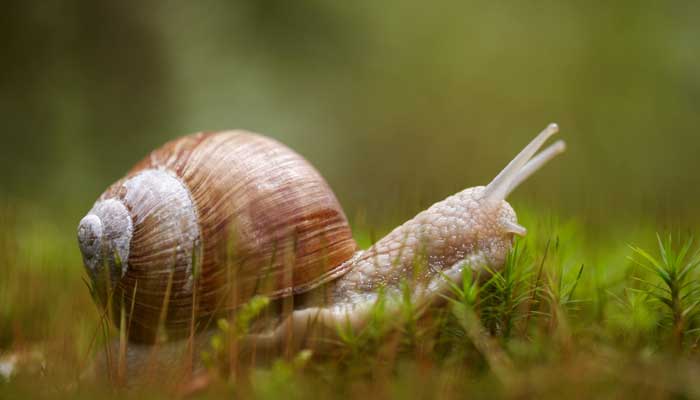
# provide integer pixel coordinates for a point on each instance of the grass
(573, 312)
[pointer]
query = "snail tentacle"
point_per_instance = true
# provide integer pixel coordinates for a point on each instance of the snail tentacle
(500, 186)
(536, 163)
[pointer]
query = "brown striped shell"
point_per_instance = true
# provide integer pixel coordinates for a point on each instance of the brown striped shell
(205, 222)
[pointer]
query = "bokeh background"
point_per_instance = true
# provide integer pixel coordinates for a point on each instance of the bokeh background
(398, 103)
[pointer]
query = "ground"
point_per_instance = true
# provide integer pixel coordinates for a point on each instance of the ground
(576, 312)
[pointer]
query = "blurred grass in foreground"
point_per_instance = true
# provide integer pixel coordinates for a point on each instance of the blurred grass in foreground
(570, 314)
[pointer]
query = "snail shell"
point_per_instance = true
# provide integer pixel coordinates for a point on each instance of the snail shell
(205, 222)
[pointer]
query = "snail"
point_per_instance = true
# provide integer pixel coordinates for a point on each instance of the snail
(207, 221)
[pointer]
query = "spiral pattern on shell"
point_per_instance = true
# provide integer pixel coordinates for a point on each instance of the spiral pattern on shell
(205, 222)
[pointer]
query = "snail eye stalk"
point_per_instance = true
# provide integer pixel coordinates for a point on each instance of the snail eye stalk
(523, 165)
(536, 163)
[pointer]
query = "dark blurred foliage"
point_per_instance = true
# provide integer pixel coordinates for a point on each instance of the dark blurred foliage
(398, 103)
(82, 87)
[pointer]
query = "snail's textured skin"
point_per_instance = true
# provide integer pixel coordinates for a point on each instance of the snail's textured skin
(461, 227)
(466, 230)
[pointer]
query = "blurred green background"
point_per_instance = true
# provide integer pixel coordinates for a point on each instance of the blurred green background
(398, 103)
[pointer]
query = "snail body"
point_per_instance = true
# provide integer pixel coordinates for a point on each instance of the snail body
(208, 220)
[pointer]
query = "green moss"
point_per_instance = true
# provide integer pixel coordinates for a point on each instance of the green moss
(572, 312)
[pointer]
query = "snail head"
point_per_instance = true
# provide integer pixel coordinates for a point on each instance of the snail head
(494, 209)
(478, 225)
